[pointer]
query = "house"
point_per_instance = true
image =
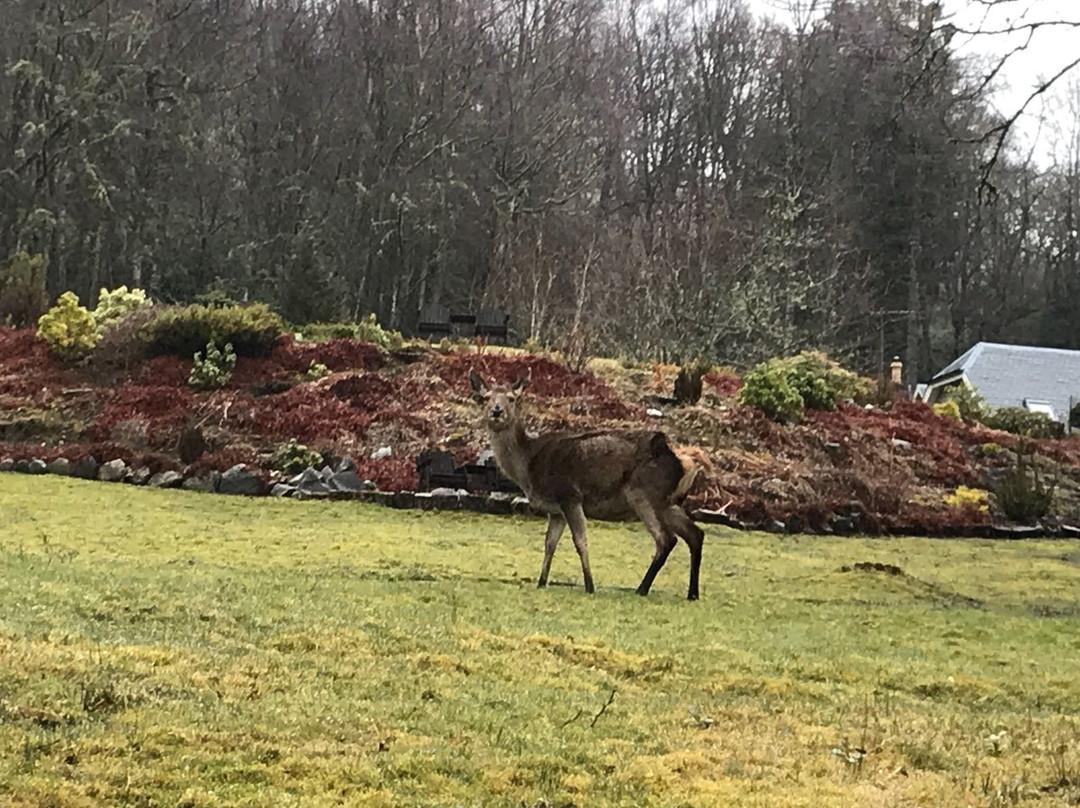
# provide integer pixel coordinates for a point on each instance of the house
(1043, 380)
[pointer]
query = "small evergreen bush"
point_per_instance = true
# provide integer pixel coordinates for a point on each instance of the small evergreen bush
(293, 457)
(316, 371)
(113, 306)
(212, 370)
(1019, 421)
(783, 388)
(23, 298)
(68, 328)
(973, 407)
(182, 330)
(1021, 493)
(768, 388)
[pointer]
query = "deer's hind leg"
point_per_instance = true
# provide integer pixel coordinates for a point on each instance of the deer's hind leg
(555, 526)
(662, 535)
(677, 521)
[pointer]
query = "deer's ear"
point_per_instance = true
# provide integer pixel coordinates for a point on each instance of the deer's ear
(520, 384)
(478, 386)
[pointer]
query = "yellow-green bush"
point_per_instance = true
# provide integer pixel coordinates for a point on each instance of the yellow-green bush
(68, 328)
(213, 369)
(948, 409)
(113, 306)
(973, 407)
(184, 330)
(964, 497)
(367, 330)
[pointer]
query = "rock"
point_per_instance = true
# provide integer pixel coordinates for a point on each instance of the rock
(901, 444)
(208, 482)
(500, 505)
(369, 485)
(113, 472)
(843, 525)
(37, 466)
(652, 412)
(345, 464)
(7, 464)
(774, 526)
(382, 453)
(21, 466)
(833, 448)
(306, 477)
(326, 473)
(86, 468)
(166, 479)
(141, 476)
(1070, 531)
(486, 458)
(520, 506)
(239, 480)
(60, 465)
(501, 496)
(346, 481)
(443, 492)
(1018, 532)
(318, 490)
(282, 490)
(402, 499)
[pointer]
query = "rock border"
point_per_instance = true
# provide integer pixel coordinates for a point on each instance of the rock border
(341, 482)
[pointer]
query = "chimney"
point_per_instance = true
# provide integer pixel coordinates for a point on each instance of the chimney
(897, 370)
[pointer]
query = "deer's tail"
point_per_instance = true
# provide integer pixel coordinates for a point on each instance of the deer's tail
(695, 462)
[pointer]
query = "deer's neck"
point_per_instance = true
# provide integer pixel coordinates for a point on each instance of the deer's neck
(511, 450)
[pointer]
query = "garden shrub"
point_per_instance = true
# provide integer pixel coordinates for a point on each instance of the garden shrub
(293, 457)
(120, 346)
(973, 407)
(23, 298)
(367, 330)
(212, 371)
(316, 371)
(182, 330)
(948, 409)
(768, 388)
(113, 306)
(1019, 421)
(68, 328)
(1021, 493)
(782, 388)
(965, 497)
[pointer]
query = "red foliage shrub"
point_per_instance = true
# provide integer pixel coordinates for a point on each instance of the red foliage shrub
(164, 371)
(26, 365)
(396, 473)
(726, 385)
(290, 357)
(162, 409)
(225, 459)
(547, 379)
(307, 413)
(368, 392)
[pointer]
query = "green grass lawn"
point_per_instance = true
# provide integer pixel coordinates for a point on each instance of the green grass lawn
(164, 648)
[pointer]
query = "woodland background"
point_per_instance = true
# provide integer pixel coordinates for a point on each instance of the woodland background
(670, 180)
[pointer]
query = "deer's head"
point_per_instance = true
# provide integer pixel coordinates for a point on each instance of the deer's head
(500, 405)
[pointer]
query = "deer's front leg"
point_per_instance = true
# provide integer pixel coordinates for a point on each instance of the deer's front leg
(575, 517)
(555, 526)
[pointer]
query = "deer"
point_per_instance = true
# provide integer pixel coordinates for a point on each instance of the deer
(609, 475)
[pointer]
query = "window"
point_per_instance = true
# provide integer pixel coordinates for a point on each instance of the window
(1039, 405)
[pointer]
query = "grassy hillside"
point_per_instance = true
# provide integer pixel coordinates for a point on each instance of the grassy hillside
(162, 648)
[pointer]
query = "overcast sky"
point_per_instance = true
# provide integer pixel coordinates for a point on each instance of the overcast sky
(1050, 49)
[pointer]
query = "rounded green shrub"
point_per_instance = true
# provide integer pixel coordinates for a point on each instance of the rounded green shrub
(68, 328)
(1020, 421)
(948, 409)
(783, 388)
(113, 306)
(181, 331)
(294, 457)
(768, 388)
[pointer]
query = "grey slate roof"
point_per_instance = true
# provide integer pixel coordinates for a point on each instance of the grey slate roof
(1007, 375)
